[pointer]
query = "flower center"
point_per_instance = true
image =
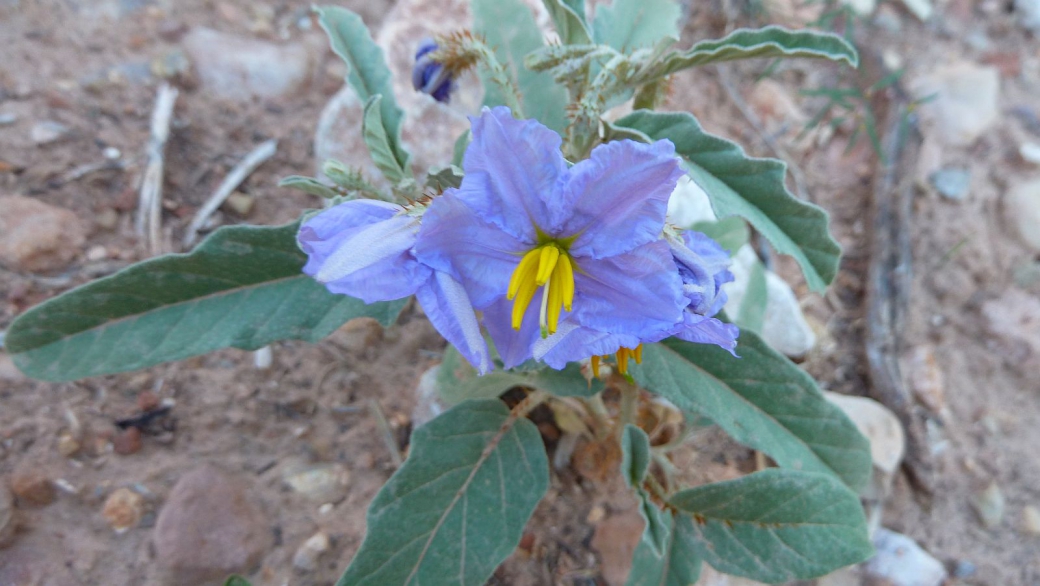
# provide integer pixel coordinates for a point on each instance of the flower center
(551, 268)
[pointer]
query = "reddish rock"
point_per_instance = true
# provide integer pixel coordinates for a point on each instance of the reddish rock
(127, 441)
(32, 487)
(35, 236)
(210, 528)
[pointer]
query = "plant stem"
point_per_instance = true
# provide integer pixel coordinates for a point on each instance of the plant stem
(629, 398)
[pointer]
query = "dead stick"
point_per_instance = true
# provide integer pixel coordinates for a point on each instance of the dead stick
(888, 290)
(237, 175)
(149, 204)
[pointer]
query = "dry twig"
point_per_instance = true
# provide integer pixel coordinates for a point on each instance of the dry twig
(237, 175)
(149, 204)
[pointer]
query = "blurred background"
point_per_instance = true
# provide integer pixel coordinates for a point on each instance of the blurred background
(927, 158)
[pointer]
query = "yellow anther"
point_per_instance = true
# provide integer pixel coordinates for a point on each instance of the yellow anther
(523, 299)
(622, 360)
(554, 289)
(566, 270)
(594, 363)
(525, 271)
(546, 263)
(639, 354)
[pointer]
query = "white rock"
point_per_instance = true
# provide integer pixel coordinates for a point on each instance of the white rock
(1023, 211)
(306, 557)
(784, 326)
(324, 483)
(240, 68)
(428, 402)
(901, 562)
(965, 102)
(48, 131)
(878, 424)
(861, 7)
(1030, 152)
(1028, 12)
(689, 204)
(922, 9)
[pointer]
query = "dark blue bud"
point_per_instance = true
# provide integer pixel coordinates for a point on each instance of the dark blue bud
(430, 77)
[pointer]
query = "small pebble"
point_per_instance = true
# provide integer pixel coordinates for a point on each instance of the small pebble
(127, 441)
(97, 253)
(123, 509)
(952, 183)
(111, 153)
(1030, 152)
(33, 487)
(107, 219)
(240, 203)
(962, 569)
(1031, 520)
(47, 131)
(306, 557)
(147, 401)
(68, 445)
(7, 119)
(989, 504)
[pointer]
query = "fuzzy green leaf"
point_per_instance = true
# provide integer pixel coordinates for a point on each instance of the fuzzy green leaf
(510, 28)
(309, 185)
(635, 463)
(677, 565)
(457, 381)
(458, 505)
(739, 185)
(367, 71)
(373, 130)
(777, 525)
(243, 287)
(752, 311)
(761, 399)
(627, 25)
(237, 581)
(569, 24)
(769, 42)
(442, 178)
(731, 233)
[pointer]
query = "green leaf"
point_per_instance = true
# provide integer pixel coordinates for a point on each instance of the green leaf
(739, 185)
(457, 381)
(309, 185)
(777, 525)
(243, 287)
(367, 71)
(731, 233)
(752, 311)
(679, 565)
(237, 581)
(635, 455)
(510, 28)
(444, 177)
(458, 505)
(761, 399)
(768, 42)
(350, 179)
(378, 143)
(627, 25)
(570, 25)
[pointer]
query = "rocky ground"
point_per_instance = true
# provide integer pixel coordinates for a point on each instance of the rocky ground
(276, 465)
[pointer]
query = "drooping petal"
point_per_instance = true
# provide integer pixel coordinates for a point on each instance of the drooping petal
(573, 342)
(477, 254)
(511, 169)
(362, 248)
(617, 199)
(514, 346)
(704, 268)
(708, 330)
(637, 293)
(448, 307)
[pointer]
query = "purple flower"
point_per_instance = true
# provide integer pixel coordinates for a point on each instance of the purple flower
(703, 267)
(363, 248)
(429, 76)
(585, 240)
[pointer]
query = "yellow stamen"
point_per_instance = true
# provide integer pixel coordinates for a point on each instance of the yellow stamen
(594, 363)
(529, 264)
(622, 360)
(639, 354)
(554, 290)
(566, 270)
(523, 299)
(547, 263)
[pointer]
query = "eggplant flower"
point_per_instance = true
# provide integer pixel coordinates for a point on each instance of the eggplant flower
(585, 241)
(429, 76)
(363, 248)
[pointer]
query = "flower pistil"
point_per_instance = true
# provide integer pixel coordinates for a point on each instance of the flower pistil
(550, 267)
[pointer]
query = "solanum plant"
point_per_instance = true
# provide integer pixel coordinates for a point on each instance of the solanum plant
(542, 252)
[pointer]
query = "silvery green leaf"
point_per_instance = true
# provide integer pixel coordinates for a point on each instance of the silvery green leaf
(627, 25)
(547, 58)
(570, 25)
(635, 463)
(457, 381)
(768, 42)
(777, 525)
(367, 71)
(752, 311)
(676, 565)
(350, 179)
(739, 185)
(510, 28)
(458, 505)
(445, 177)
(374, 133)
(309, 185)
(762, 400)
(242, 287)
(731, 233)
